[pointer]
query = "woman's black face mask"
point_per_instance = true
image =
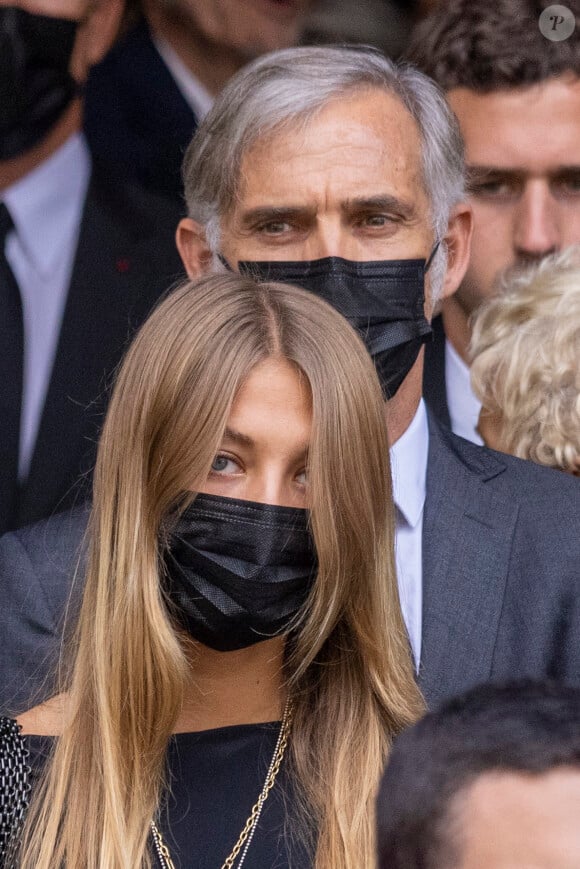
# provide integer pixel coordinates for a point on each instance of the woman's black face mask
(384, 300)
(238, 572)
(36, 86)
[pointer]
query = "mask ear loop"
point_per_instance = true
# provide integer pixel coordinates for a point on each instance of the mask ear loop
(431, 256)
(225, 263)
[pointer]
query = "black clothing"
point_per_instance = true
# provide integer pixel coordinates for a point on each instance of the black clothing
(434, 385)
(136, 118)
(11, 365)
(215, 778)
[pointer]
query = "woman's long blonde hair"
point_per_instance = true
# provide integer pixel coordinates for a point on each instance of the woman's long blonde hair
(349, 668)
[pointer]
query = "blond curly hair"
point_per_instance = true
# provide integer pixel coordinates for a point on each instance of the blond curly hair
(525, 353)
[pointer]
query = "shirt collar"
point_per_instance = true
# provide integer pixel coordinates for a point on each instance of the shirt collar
(195, 94)
(409, 467)
(45, 204)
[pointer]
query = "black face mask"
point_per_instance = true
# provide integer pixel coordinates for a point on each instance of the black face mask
(383, 300)
(237, 572)
(35, 84)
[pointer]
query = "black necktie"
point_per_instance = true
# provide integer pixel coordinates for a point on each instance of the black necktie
(11, 369)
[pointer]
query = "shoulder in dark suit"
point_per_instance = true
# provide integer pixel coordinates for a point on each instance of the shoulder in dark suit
(41, 580)
(125, 261)
(501, 569)
(501, 576)
(135, 115)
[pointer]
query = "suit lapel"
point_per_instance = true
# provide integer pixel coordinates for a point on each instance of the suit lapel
(467, 537)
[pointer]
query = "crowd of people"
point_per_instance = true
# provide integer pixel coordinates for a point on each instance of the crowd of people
(290, 353)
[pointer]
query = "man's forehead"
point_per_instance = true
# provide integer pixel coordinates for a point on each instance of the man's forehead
(372, 117)
(536, 125)
(358, 148)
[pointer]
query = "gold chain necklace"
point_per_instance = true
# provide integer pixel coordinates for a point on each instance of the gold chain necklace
(247, 833)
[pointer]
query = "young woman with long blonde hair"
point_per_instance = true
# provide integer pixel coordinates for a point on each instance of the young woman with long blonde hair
(240, 574)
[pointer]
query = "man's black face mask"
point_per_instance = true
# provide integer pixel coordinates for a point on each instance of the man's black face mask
(383, 300)
(36, 86)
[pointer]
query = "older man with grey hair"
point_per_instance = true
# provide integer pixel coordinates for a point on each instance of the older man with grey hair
(335, 169)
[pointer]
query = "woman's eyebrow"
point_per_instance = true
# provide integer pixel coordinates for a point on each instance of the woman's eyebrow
(232, 435)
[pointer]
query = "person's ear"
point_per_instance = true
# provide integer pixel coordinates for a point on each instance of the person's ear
(458, 243)
(96, 34)
(193, 247)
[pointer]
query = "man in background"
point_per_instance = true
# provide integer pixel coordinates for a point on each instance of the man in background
(83, 255)
(489, 781)
(145, 99)
(516, 94)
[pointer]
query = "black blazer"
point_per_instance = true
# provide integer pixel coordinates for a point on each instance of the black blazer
(136, 117)
(501, 578)
(434, 386)
(125, 260)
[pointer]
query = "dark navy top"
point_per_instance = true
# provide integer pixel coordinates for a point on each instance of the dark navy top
(215, 777)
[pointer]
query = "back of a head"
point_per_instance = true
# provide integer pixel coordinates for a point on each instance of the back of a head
(520, 727)
(491, 46)
(525, 361)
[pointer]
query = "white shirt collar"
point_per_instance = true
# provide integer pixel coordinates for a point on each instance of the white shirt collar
(44, 204)
(464, 405)
(409, 467)
(195, 94)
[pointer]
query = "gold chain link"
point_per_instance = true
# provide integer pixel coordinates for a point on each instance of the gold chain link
(275, 765)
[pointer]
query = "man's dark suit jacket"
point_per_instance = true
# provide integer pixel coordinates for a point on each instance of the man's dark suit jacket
(434, 385)
(136, 118)
(125, 260)
(501, 577)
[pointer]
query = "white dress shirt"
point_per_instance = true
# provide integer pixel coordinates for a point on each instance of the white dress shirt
(196, 96)
(409, 469)
(46, 207)
(462, 402)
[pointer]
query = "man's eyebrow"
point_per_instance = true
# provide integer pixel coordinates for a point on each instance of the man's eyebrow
(479, 171)
(231, 434)
(272, 213)
(564, 171)
(381, 202)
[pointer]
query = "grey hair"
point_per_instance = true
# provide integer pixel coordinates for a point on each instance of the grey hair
(288, 88)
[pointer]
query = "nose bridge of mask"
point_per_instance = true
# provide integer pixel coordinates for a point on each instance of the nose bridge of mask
(372, 291)
(255, 532)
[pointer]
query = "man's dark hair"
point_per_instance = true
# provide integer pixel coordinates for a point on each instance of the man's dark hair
(529, 727)
(488, 45)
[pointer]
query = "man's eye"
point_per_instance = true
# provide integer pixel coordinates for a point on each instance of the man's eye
(567, 186)
(498, 188)
(493, 188)
(224, 465)
(376, 221)
(275, 227)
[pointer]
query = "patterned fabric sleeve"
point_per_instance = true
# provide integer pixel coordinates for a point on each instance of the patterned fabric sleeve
(14, 786)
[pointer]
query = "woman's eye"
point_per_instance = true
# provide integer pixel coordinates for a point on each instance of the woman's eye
(224, 465)
(302, 478)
